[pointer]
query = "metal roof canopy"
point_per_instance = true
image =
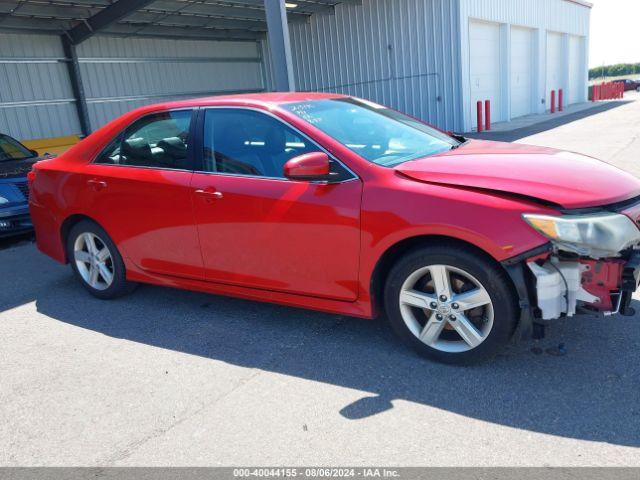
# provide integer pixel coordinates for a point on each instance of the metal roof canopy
(192, 19)
(246, 20)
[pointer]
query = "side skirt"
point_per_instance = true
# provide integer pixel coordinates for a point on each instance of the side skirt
(353, 309)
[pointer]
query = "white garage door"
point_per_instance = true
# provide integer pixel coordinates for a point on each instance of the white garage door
(554, 66)
(484, 50)
(577, 78)
(521, 71)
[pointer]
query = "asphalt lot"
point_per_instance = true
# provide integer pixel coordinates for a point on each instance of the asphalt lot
(167, 377)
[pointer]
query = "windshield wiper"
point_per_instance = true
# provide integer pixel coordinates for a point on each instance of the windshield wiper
(463, 141)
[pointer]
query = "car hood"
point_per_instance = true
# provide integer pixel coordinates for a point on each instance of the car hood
(566, 179)
(17, 168)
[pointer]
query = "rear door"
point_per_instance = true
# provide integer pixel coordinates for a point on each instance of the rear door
(257, 228)
(139, 190)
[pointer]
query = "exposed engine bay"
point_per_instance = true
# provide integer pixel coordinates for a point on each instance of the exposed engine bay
(592, 265)
(567, 287)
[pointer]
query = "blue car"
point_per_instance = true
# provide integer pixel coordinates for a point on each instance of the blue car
(16, 161)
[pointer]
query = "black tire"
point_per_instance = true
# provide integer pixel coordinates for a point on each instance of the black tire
(490, 275)
(119, 286)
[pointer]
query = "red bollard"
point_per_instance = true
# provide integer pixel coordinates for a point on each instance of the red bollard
(560, 95)
(553, 101)
(487, 114)
(479, 107)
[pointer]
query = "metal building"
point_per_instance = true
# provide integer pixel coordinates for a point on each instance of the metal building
(435, 59)
(69, 66)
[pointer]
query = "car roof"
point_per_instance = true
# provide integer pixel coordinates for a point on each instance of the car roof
(264, 100)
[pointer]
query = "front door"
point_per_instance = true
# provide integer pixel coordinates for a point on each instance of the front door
(260, 230)
(139, 190)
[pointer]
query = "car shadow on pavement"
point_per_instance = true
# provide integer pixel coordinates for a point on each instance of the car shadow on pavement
(513, 135)
(591, 393)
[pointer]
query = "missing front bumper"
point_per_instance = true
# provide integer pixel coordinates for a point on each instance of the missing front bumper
(565, 287)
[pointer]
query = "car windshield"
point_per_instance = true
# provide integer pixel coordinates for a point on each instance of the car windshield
(381, 135)
(11, 149)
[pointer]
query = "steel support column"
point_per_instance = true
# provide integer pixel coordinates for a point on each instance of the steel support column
(279, 45)
(76, 84)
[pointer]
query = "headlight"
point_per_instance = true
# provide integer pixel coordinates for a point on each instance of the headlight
(597, 235)
(3, 200)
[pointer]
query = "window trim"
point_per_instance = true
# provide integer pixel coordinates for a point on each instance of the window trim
(199, 146)
(190, 148)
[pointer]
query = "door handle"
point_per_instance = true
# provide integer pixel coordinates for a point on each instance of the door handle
(97, 185)
(209, 195)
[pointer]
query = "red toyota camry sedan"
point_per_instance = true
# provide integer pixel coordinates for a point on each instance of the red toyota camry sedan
(338, 204)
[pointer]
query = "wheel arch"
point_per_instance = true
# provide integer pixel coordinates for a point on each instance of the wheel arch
(66, 226)
(392, 254)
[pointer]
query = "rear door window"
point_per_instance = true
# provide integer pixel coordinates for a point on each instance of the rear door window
(159, 140)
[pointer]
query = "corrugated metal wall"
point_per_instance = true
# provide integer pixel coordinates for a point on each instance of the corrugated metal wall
(557, 15)
(267, 66)
(121, 74)
(401, 53)
(36, 100)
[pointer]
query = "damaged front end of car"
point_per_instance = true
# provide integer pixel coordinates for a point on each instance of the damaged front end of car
(591, 264)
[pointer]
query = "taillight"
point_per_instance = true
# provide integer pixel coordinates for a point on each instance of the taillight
(31, 177)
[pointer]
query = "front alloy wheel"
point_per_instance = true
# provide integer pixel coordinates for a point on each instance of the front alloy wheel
(446, 308)
(451, 304)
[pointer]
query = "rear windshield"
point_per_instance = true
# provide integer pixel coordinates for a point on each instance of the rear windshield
(378, 134)
(11, 149)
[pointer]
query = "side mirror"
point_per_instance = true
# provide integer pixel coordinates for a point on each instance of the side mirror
(34, 153)
(310, 166)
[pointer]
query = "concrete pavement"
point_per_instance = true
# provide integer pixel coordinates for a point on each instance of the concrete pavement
(167, 377)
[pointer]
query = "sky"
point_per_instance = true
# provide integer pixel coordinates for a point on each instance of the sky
(615, 32)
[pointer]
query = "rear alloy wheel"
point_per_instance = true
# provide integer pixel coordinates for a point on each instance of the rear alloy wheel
(96, 261)
(450, 304)
(93, 261)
